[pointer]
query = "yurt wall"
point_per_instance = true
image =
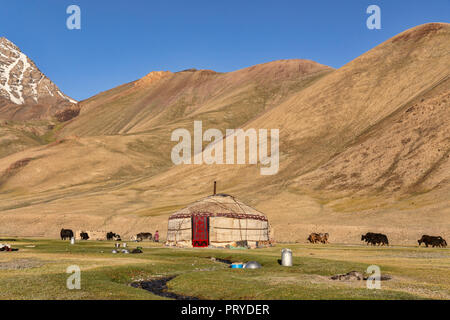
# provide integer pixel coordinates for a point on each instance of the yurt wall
(225, 230)
(180, 232)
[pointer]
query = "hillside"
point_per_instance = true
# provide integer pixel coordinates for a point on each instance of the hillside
(163, 99)
(365, 147)
(19, 136)
(104, 130)
(396, 94)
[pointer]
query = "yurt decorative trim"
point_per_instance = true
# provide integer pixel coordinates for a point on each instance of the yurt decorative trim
(220, 214)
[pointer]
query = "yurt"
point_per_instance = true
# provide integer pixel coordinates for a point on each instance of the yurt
(218, 220)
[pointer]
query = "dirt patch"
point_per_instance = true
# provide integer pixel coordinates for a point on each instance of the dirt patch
(355, 275)
(67, 114)
(19, 264)
(55, 143)
(14, 169)
(19, 164)
(159, 287)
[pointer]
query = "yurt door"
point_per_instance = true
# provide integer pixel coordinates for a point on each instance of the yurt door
(200, 230)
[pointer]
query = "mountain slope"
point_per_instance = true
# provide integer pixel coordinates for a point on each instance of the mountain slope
(323, 183)
(346, 164)
(407, 151)
(332, 115)
(164, 98)
(18, 136)
(326, 118)
(25, 92)
(138, 118)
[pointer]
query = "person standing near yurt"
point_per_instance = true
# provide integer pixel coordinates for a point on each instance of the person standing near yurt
(156, 237)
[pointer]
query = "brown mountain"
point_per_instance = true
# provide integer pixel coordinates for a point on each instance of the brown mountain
(364, 147)
(163, 99)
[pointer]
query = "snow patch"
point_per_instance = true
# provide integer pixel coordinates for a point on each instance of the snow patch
(66, 97)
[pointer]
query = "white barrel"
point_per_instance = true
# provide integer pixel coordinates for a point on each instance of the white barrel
(286, 257)
(124, 244)
(72, 240)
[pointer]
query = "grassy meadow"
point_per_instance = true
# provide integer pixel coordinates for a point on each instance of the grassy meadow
(38, 271)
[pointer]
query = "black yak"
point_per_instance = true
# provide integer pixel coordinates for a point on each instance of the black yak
(66, 234)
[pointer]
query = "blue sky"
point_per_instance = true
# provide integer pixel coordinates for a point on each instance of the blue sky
(121, 41)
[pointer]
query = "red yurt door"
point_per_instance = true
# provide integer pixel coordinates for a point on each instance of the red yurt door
(200, 230)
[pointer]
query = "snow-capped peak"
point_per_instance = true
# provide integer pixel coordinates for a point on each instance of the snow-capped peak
(21, 81)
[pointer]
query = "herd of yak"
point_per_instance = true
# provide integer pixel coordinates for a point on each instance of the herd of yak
(381, 239)
(370, 238)
(68, 234)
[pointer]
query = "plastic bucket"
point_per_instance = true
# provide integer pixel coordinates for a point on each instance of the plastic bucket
(237, 265)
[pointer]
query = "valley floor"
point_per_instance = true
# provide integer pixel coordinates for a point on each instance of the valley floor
(38, 271)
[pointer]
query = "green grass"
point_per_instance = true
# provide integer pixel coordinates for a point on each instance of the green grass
(418, 273)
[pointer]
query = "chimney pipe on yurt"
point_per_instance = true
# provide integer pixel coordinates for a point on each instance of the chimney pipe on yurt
(214, 188)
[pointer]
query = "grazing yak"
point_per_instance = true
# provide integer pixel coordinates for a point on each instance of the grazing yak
(434, 241)
(375, 239)
(66, 234)
(144, 235)
(113, 236)
(318, 237)
(84, 235)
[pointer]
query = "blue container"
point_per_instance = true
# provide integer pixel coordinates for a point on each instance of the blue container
(237, 265)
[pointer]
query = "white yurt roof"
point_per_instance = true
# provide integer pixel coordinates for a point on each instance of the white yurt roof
(220, 205)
